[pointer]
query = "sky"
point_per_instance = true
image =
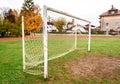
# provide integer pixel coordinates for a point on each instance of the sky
(85, 9)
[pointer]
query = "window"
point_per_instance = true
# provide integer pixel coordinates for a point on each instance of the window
(112, 12)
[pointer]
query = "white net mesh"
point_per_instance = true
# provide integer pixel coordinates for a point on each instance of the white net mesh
(34, 53)
(60, 44)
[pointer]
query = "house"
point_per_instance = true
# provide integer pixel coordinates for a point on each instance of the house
(51, 27)
(79, 29)
(72, 27)
(110, 20)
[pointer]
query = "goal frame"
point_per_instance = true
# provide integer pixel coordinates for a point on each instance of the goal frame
(45, 34)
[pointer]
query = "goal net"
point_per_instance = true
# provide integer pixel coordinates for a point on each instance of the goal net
(62, 33)
(33, 55)
(65, 33)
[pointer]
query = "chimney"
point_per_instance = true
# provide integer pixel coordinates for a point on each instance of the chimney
(112, 6)
(73, 22)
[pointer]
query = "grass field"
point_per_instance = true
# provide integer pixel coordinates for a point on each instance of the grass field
(60, 69)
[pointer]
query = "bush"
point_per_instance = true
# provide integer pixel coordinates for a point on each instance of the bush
(94, 32)
(100, 32)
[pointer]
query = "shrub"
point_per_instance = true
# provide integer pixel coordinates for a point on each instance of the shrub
(100, 32)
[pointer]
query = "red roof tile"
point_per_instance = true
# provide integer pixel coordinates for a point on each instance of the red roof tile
(107, 13)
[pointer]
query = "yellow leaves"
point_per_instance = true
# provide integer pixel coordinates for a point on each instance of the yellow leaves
(32, 18)
(33, 23)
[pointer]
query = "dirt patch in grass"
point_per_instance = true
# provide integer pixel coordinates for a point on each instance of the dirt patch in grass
(95, 66)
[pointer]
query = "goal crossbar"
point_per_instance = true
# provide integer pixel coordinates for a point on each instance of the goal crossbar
(66, 14)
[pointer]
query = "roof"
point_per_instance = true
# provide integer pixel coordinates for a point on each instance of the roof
(107, 13)
(50, 23)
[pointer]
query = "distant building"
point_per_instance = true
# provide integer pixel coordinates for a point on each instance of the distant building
(51, 27)
(72, 27)
(110, 20)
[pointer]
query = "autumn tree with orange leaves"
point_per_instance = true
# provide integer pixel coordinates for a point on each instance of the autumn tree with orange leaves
(60, 23)
(32, 16)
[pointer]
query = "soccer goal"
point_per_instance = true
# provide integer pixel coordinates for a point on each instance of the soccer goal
(62, 34)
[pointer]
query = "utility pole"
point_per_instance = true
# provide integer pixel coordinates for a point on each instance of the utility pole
(107, 29)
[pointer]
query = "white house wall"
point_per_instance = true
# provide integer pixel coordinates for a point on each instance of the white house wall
(113, 23)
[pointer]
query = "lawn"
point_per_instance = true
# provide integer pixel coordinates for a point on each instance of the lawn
(60, 70)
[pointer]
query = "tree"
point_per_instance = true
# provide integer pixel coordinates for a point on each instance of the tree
(4, 28)
(32, 17)
(10, 16)
(16, 28)
(10, 24)
(59, 23)
(28, 5)
(4, 12)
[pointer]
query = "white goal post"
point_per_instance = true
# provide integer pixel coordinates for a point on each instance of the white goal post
(35, 48)
(45, 9)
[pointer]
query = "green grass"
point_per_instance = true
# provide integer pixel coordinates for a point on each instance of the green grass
(11, 63)
(108, 46)
(56, 47)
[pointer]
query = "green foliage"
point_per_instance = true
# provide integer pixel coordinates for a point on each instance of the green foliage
(10, 25)
(10, 29)
(100, 32)
(16, 29)
(4, 27)
(59, 23)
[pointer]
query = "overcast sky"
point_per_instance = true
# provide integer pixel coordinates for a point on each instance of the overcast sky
(86, 9)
